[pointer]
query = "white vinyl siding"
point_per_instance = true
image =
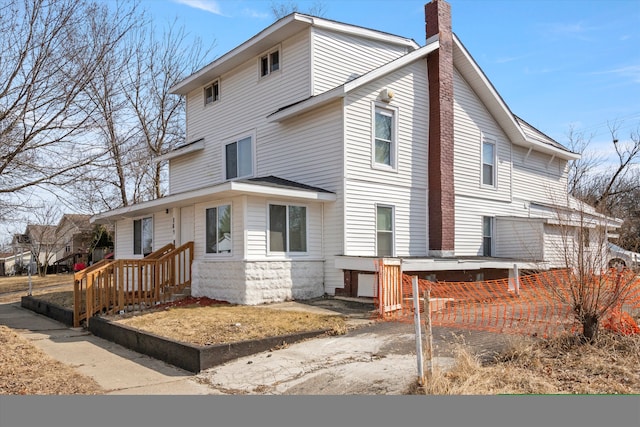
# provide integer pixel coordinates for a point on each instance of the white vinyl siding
(339, 58)
(519, 238)
(162, 229)
(550, 176)
(404, 188)
(246, 103)
(472, 123)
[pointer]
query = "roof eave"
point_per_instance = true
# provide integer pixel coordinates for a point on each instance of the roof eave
(226, 189)
(340, 91)
(271, 36)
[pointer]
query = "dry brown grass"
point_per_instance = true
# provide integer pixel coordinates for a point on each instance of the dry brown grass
(12, 288)
(24, 369)
(557, 366)
(224, 323)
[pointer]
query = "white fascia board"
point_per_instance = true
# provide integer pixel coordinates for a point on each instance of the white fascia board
(288, 26)
(265, 190)
(364, 32)
(227, 189)
(342, 90)
(181, 151)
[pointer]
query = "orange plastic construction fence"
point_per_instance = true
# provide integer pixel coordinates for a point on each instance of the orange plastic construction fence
(539, 304)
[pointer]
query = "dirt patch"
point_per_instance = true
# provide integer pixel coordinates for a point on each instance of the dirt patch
(24, 369)
(202, 321)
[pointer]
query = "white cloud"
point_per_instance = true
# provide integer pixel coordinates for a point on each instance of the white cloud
(629, 72)
(206, 5)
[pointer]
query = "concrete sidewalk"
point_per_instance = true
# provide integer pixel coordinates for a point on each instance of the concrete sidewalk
(116, 369)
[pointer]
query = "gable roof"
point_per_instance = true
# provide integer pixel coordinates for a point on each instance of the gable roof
(517, 130)
(273, 35)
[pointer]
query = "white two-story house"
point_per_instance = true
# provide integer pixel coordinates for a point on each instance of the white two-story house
(316, 147)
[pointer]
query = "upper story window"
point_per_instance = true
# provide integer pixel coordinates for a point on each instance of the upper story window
(287, 228)
(239, 158)
(142, 236)
(212, 93)
(384, 137)
(269, 63)
(488, 162)
(218, 230)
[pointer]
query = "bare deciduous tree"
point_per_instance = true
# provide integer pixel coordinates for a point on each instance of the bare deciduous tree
(282, 9)
(590, 286)
(50, 56)
(139, 118)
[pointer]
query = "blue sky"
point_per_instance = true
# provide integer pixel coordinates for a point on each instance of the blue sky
(556, 63)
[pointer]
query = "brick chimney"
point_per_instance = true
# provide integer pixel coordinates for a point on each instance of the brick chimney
(440, 77)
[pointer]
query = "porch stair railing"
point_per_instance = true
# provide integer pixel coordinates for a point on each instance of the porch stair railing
(122, 285)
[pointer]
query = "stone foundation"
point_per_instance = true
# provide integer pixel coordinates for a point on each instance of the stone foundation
(257, 282)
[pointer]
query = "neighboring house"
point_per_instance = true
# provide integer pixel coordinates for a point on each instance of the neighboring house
(316, 147)
(74, 234)
(41, 241)
(623, 257)
(14, 263)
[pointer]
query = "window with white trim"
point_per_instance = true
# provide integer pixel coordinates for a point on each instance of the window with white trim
(287, 228)
(384, 137)
(384, 231)
(143, 236)
(239, 158)
(218, 230)
(487, 236)
(269, 63)
(488, 162)
(212, 93)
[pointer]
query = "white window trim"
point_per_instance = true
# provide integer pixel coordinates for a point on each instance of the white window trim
(286, 253)
(204, 92)
(231, 140)
(375, 106)
(485, 138)
(204, 211)
(268, 53)
(133, 234)
(393, 227)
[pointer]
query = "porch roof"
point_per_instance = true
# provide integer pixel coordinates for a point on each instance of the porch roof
(260, 186)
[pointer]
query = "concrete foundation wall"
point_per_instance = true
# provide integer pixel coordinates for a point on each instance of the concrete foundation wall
(257, 282)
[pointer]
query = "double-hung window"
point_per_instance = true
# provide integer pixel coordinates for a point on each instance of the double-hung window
(218, 230)
(287, 228)
(269, 63)
(384, 144)
(384, 231)
(487, 236)
(488, 163)
(142, 236)
(212, 93)
(239, 158)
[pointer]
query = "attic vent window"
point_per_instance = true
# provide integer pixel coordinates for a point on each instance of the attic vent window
(212, 93)
(269, 63)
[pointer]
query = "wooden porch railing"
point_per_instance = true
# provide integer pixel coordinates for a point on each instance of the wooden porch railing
(114, 286)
